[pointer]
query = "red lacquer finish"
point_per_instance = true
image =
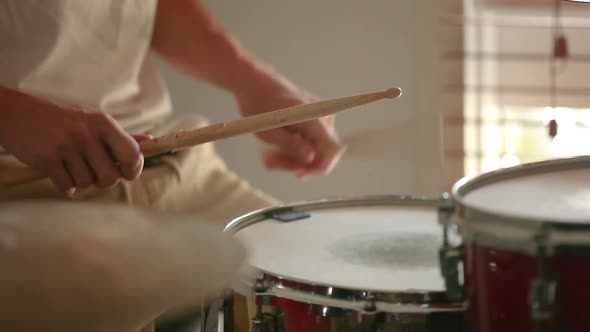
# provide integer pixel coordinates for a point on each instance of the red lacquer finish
(498, 291)
(300, 317)
(305, 317)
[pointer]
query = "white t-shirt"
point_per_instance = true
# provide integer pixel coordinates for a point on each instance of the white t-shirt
(91, 53)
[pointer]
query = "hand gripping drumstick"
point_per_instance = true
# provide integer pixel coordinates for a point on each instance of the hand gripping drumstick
(250, 124)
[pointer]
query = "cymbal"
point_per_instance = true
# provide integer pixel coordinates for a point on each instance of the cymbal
(97, 268)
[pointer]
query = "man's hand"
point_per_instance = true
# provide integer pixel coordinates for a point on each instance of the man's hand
(308, 148)
(73, 147)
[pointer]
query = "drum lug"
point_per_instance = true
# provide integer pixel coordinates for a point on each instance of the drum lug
(542, 289)
(450, 257)
(261, 285)
(260, 292)
(542, 298)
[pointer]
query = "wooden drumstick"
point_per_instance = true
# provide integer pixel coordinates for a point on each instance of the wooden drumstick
(250, 124)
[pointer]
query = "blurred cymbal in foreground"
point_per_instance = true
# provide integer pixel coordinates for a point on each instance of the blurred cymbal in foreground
(97, 268)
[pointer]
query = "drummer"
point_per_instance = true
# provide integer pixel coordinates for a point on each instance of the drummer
(79, 88)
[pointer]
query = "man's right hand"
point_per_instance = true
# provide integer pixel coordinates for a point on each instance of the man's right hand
(73, 147)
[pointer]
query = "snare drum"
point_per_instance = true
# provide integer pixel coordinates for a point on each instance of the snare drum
(526, 233)
(363, 264)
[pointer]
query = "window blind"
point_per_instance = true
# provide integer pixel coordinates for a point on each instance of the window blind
(525, 67)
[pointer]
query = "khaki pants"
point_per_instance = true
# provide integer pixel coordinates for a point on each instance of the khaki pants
(193, 181)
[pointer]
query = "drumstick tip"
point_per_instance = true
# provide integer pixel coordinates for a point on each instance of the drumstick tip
(393, 92)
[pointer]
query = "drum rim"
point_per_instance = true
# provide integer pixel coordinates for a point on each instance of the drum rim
(406, 301)
(559, 232)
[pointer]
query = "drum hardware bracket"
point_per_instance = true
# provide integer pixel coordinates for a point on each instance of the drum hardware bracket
(261, 292)
(543, 298)
(287, 214)
(265, 322)
(370, 305)
(450, 258)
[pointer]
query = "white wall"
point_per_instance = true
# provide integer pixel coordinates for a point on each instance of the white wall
(336, 48)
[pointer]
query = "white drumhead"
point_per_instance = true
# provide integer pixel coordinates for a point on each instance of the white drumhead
(378, 248)
(559, 196)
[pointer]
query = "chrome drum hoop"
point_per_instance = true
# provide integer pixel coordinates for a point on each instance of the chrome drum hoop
(241, 222)
(329, 300)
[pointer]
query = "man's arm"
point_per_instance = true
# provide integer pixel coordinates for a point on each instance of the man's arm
(188, 37)
(192, 40)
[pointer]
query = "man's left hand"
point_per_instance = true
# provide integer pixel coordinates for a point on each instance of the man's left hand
(307, 148)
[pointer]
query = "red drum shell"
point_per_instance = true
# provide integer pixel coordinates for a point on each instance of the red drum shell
(498, 288)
